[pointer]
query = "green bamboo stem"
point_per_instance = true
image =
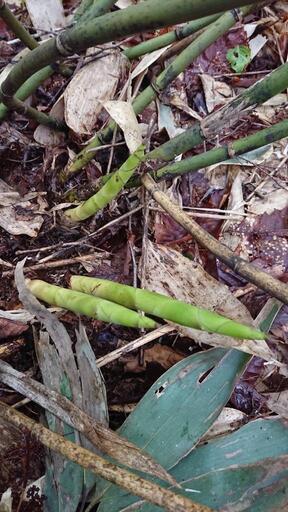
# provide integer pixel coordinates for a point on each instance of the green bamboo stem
(164, 307)
(40, 117)
(109, 191)
(137, 18)
(273, 84)
(29, 87)
(186, 57)
(89, 9)
(221, 154)
(92, 307)
(171, 37)
(17, 28)
(243, 268)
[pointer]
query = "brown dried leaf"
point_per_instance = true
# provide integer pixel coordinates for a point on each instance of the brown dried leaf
(90, 87)
(46, 15)
(11, 328)
(161, 354)
(21, 222)
(123, 114)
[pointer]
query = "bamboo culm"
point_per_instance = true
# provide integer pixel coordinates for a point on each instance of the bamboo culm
(109, 191)
(164, 307)
(37, 78)
(92, 307)
(137, 18)
(171, 37)
(218, 155)
(180, 63)
(18, 29)
(30, 86)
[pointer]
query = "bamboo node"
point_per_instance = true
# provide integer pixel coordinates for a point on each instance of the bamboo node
(230, 150)
(62, 49)
(155, 87)
(178, 33)
(237, 14)
(3, 94)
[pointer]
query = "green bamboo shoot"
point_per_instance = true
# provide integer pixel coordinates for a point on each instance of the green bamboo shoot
(93, 307)
(164, 307)
(109, 191)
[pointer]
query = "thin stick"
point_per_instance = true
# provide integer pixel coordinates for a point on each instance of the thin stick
(56, 264)
(133, 345)
(129, 481)
(8, 349)
(263, 280)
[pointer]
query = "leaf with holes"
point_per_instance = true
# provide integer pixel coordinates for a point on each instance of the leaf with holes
(239, 57)
(179, 409)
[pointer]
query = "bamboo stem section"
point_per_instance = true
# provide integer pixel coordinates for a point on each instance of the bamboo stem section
(180, 63)
(171, 37)
(247, 270)
(17, 28)
(134, 484)
(137, 18)
(221, 154)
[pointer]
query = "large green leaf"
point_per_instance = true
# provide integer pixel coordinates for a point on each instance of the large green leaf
(178, 409)
(245, 470)
(248, 467)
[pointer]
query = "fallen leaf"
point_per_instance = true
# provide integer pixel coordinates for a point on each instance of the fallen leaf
(6, 501)
(161, 354)
(278, 402)
(147, 61)
(46, 15)
(48, 136)
(256, 44)
(26, 222)
(10, 328)
(228, 420)
(88, 90)
(216, 93)
(122, 112)
(166, 120)
(170, 273)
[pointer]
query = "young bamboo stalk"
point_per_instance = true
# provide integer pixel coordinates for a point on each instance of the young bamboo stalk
(215, 156)
(178, 34)
(17, 28)
(164, 307)
(29, 87)
(180, 63)
(143, 16)
(243, 268)
(92, 307)
(109, 191)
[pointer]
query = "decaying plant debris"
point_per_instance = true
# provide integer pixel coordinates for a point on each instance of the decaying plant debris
(144, 154)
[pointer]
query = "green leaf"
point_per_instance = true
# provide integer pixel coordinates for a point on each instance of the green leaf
(239, 57)
(247, 467)
(178, 409)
